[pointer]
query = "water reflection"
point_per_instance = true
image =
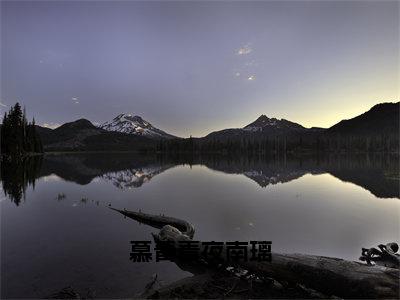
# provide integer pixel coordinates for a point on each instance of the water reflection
(378, 174)
(16, 174)
(134, 178)
(78, 241)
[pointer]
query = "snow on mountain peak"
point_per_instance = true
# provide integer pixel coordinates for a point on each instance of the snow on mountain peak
(132, 124)
(263, 122)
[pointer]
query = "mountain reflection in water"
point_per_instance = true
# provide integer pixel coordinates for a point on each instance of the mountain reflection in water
(295, 202)
(378, 174)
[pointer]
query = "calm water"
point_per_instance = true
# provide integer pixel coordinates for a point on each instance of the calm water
(329, 206)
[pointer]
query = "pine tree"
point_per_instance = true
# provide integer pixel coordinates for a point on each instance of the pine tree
(17, 135)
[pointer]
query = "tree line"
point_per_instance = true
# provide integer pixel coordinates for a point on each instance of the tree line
(18, 136)
(256, 145)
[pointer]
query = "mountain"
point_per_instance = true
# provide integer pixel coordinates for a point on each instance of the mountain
(376, 130)
(380, 119)
(263, 123)
(262, 127)
(82, 135)
(129, 124)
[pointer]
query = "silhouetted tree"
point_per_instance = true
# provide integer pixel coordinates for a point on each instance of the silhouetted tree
(17, 135)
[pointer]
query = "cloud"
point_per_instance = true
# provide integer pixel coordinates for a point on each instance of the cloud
(251, 77)
(75, 99)
(246, 49)
(51, 125)
(3, 105)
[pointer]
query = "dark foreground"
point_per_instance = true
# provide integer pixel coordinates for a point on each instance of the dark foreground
(285, 276)
(222, 284)
(234, 284)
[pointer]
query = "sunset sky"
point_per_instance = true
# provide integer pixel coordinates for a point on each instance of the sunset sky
(190, 68)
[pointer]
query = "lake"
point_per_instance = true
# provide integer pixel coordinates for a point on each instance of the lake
(57, 229)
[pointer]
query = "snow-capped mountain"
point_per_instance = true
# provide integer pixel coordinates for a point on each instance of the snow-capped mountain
(130, 124)
(265, 123)
(262, 126)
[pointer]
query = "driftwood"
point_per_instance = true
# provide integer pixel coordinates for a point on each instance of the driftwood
(326, 275)
(331, 276)
(159, 221)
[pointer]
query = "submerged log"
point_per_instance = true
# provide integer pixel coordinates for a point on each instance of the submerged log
(326, 275)
(159, 221)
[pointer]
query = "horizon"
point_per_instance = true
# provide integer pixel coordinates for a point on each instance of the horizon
(194, 68)
(271, 117)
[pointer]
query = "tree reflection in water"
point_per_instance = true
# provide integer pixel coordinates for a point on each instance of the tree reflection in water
(17, 173)
(376, 173)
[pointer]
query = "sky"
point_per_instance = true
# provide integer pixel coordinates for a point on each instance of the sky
(191, 68)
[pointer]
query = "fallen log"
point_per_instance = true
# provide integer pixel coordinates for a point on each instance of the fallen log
(326, 275)
(159, 221)
(331, 276)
